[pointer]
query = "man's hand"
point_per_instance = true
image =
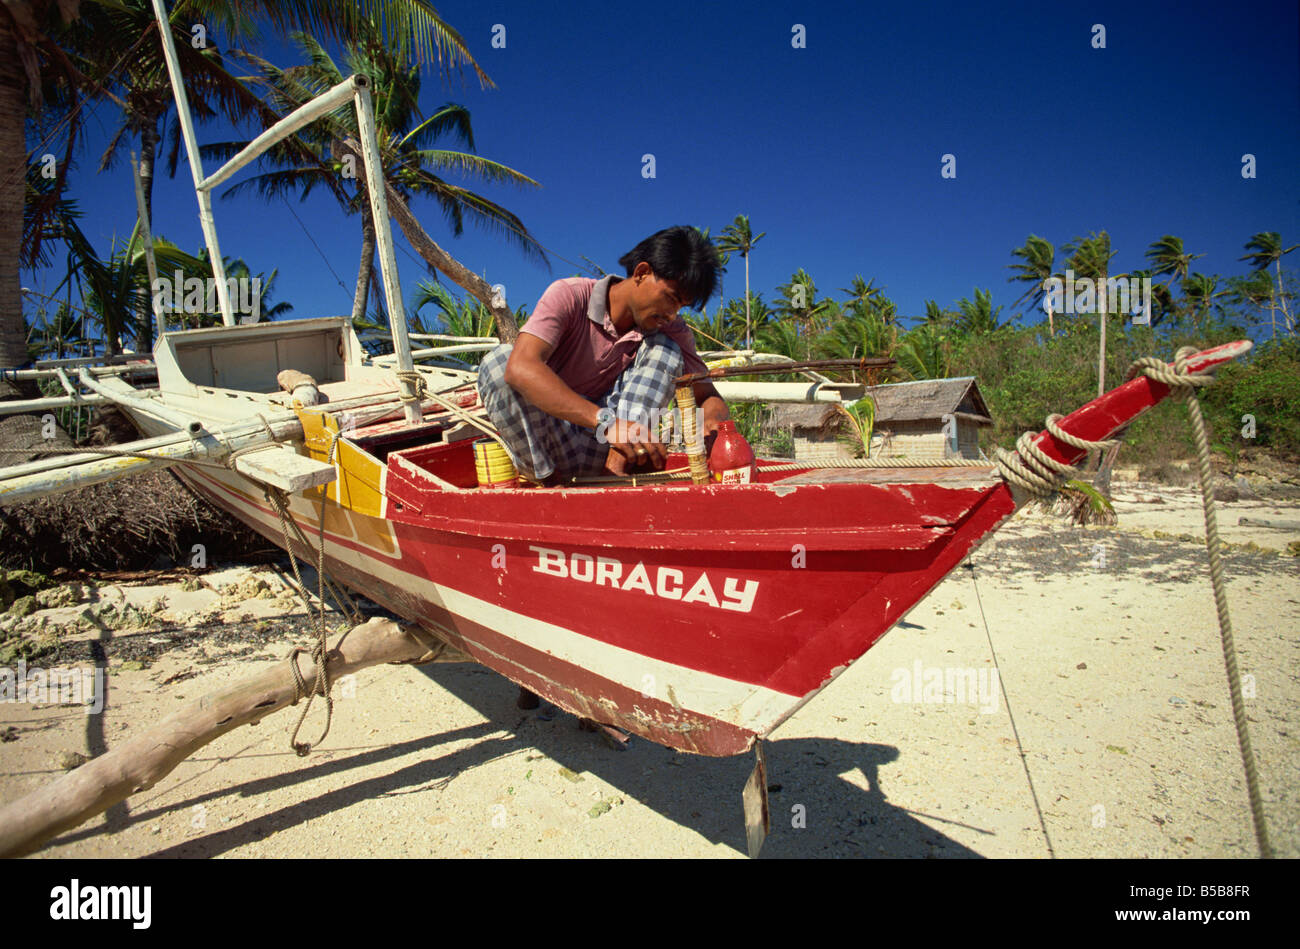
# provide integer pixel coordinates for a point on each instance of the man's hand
(632, 444)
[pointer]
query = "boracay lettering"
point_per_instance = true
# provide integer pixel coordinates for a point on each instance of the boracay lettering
(669, 583)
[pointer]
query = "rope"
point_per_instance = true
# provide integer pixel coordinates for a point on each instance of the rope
(1184, 385)
(464, 415)
(1024, 760)
(876, 463)
(249, 449)
(106, 450)
(1036, 472)
(319, 650)
(698, 463)
(414, 380)
(683, 474)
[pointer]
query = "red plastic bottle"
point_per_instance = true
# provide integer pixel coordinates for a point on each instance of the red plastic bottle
(732, 460)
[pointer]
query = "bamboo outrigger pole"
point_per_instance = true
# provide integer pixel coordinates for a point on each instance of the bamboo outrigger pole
(52, 476)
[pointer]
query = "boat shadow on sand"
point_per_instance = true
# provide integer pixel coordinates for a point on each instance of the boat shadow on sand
(808, 780)
(817, 778)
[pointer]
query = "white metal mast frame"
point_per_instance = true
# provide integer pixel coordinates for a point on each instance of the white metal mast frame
(206, 221)
(356, 88)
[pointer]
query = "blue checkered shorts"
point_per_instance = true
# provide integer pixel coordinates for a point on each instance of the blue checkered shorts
(542, 445)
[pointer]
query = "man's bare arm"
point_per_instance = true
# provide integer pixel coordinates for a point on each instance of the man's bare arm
(528, 374)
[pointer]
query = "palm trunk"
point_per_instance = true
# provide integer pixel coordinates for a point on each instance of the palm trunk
(362, 295)
(1051, 327)
(748, 343)
(13, 187)
(1281, 296)
(149, 139)
(435, 256)
(1101, 311)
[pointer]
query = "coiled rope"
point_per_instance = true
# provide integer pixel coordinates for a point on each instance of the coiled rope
(1042, 476)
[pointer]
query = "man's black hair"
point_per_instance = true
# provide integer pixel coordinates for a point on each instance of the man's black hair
(683, 255)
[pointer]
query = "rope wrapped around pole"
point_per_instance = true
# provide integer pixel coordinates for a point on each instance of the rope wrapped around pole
(691, 436)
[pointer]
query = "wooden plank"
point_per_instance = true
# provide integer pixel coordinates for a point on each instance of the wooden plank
(285, 469)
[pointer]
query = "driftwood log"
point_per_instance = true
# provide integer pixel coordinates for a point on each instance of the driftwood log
(143, 761)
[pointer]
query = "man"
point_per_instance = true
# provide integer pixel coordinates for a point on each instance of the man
(581, 387)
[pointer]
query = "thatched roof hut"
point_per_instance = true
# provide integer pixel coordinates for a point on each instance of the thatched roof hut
(930, 418)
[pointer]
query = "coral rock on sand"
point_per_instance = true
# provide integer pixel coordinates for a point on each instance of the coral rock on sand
(67, 760)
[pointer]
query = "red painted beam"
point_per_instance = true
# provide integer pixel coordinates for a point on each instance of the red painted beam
(1107, 414)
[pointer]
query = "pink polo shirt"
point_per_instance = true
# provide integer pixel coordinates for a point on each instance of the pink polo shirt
(589, 354)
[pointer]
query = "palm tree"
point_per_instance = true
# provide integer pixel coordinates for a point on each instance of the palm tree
(1200, 292)
(404, 144)
(1162, 301)
(1039, 260)
(783, 338)
(237, 268)
(455, 317)
(737, 237)
(726, 327)
(978, 317)
(59, 335)
(1168, 257)
(937, 315)
(61, 45)
(1090, 258)
(711, 332)
(31, 63)
(1261, 250)
(112, 288)
(858, 336)
(861, 293)
(800, 303)
(923, 352)
(1256, 291)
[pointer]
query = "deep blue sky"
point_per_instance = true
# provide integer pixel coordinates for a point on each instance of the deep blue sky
(833, 150)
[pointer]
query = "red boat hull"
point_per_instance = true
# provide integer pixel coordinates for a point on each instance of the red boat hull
(679, 624)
